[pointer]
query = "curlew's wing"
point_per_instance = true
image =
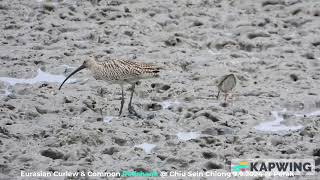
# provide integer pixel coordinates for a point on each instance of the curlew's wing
(141, 69)
(129, 70)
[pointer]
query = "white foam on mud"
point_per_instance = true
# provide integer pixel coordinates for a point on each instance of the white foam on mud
(41, 77)
(185, 136)
(146, 147)
(108, 119)
(275, 126)
(168, 104)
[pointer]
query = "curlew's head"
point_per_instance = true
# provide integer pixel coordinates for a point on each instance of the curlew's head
(89, 63)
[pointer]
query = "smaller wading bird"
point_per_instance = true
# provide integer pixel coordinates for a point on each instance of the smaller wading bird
(119, 72)
(226, 84)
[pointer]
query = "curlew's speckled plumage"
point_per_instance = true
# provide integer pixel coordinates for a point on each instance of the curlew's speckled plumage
(122, 71)
(119, 72)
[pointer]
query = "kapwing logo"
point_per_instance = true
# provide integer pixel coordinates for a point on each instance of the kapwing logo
(274, 166)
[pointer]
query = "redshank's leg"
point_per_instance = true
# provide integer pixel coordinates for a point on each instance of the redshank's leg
(218, 94)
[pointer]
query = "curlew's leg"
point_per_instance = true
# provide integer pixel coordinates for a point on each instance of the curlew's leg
(122, 100)
(132, 91)
(225, 97)
(218, 94)
(130, 108)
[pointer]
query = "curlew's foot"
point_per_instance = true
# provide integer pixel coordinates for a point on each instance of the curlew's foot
(133, 112)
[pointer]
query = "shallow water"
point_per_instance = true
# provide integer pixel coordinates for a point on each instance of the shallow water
(41, 77)
(275, 126)
(185, 136)
(146, 147)
(300, 109)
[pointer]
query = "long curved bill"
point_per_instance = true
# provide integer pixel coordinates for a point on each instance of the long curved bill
(75, 71)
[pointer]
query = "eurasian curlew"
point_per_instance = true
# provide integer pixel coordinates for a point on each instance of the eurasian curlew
(226, 84)
(119, 72)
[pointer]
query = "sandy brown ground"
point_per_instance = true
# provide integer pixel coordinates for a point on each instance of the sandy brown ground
(271, 45)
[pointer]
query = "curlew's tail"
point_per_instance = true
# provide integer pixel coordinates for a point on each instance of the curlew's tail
(152, 70)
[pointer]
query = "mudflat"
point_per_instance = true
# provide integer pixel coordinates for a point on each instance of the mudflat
(271, 46)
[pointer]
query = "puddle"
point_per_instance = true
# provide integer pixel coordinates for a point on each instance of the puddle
(309, 114)
(276, 125)
(297, 109)
(108, 119)
(146, 147)
(185, 136)
(307, 109)
(41, 77)
(169, 104)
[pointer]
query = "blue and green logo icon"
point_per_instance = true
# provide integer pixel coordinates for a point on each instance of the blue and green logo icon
(243, 166)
